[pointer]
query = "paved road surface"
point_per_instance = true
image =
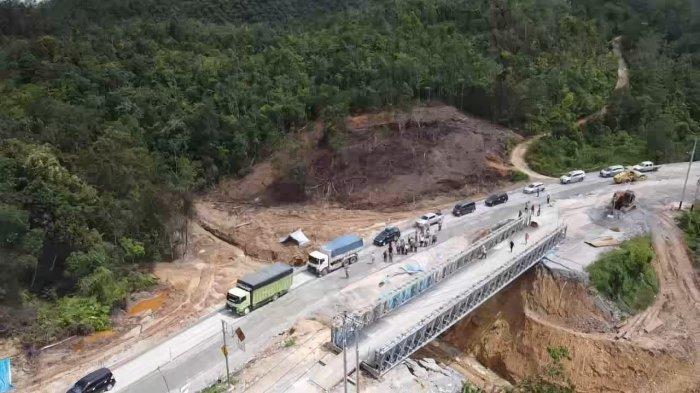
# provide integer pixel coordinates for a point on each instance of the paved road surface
(192, 359)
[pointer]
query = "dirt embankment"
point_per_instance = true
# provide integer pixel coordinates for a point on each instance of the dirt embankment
(656, 351)
(380, 160)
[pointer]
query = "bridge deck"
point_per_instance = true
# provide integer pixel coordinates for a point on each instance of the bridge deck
(392, 326)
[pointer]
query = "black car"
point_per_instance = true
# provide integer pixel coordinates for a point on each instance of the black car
(98, 381)
(387, 235)
(463, 208)
(496, 199)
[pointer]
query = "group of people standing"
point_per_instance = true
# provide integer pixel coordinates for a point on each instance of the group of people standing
(422, 237)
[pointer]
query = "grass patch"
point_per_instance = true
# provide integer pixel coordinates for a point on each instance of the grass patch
(220, 386)
(554, 157)
(290, 342)
(516, 175)
(689, 222)
(626, 275)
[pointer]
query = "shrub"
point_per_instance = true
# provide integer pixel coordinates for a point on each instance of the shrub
(73, 315)
(516, 175)
(626, 275)
(689, 222)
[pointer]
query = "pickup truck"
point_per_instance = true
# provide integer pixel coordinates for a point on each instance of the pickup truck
(341, 251)
(429, 219)
(256, 289)
(646, 166)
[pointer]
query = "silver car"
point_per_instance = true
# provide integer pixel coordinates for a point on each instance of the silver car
(573, 177)
(611, 170)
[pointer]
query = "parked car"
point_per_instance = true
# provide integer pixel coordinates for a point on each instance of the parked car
(98, 381)
(463, 208)
(389, 234)
(532, 188)
(611, 171)
(429, 219)
(573, 177)
(496, 199)
(646, 166)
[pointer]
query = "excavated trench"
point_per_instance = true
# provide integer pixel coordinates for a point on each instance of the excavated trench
(510, 334)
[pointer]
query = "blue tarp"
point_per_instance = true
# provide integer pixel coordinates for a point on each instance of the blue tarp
(5, 375)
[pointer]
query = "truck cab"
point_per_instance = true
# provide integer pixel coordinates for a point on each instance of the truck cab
(318, 263)
(238, 300)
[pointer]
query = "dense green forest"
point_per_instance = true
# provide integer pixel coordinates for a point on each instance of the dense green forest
(114, 112)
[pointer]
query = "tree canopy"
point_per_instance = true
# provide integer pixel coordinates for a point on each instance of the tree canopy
(113, 112)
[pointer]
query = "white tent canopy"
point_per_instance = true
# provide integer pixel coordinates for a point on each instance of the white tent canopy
(296, 236)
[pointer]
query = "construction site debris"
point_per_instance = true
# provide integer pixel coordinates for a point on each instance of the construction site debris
(623, 200)
(603, 241)
(297, 237)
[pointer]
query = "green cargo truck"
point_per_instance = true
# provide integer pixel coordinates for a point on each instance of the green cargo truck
(255, 289)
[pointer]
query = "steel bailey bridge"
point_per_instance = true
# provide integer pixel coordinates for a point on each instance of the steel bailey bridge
(391, 301)
(429, 327)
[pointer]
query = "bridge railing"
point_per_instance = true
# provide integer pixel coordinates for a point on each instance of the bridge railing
(442, 318)
(399, 296)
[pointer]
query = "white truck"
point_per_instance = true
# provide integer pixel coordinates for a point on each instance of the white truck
(646, 166)
(341, 251)
(429, 219)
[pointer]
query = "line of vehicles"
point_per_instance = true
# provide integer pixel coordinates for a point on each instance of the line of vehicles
(256, 289)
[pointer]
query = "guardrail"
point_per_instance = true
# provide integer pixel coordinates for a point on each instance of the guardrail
(397, 297)
(441, 319)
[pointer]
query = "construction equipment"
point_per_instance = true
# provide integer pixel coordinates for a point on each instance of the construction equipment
(623, 200)
(629, 176)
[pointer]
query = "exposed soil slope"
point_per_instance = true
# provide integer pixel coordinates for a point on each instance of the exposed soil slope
(380, 161)
(654, 351)
(394, 158)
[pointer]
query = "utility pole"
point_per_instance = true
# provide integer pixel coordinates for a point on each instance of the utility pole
(224, 349)
(357, 355)
(690, 163)
(695, 198)
(345, 352)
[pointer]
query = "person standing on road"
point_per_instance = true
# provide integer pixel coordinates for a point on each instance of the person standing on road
(347, 271)
(520, 213)
(511, 245)
(384, 255)
(539, 210)
(440, 225)
(391, 248)
(527, 237)
(371, 258)
(538, 192)
(434, 238)
(483, 252)
(548, 198)
(532, 209)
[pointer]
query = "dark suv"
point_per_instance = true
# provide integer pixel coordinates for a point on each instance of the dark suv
(97, 381)
(387, 235)
(496, 199)
(463, 208)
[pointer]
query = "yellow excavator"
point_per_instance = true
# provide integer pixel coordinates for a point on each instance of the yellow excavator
(629, 176)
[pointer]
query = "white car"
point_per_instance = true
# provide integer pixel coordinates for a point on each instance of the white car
(429, 219)
(573, 177)
(532, 188)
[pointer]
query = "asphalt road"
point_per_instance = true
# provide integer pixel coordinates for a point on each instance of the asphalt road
(192, 359)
